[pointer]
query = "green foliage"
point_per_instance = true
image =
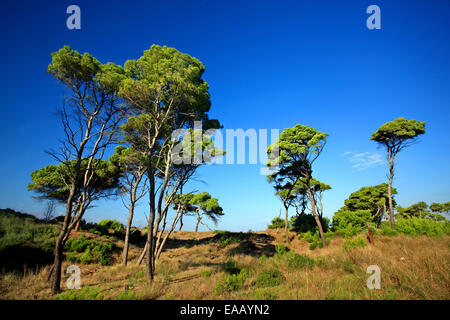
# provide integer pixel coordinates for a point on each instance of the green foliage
(350, 223)
(128, 295)
(269, 278)
(386, 230)
(277, 223)
(306, 222)
(25, 241)
(420, 210)
(280, 249)
(422, 226)
(112, 224)
(86, 293)
(231, 282)
(50, 182)
(89, 251)
(354, 243)
(314, 238)
(231, 267)
(206, 273)
(398, 131)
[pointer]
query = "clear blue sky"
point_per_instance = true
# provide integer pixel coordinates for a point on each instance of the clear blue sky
(270, 64)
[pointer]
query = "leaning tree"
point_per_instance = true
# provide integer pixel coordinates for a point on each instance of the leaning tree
(395, 136)
(291, 157)
(166, 94)
(90, 114)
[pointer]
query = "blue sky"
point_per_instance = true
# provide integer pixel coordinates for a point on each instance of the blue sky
(269, 64)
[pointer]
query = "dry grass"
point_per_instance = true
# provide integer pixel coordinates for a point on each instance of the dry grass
(411, 268)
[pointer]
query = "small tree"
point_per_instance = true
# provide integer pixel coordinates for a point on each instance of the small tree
(132, 165)
(395, 136)
(419, 210)
(49, 212)
(372, 198)
(440, 207)
(298, 148)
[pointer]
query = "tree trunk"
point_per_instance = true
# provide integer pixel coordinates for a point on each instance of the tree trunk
(198, 222)
(144, 251)
(286, 224)
(59, 246)
(181, 223)
(150, 237)
(127, 235)
(316, 216)
(391, 208)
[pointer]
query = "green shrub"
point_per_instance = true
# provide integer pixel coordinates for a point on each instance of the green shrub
(206, 273)
(277, 223)
(299, 261)
(85, 293)
(280, 249)
(307, 222)
(112, 224)
(350, 223)
(89, 251)
(386, 230)
(231, 267)
(269, 278)
(231, 282)
(422, 226)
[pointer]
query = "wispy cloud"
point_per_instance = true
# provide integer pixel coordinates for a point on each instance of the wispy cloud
(364, 160)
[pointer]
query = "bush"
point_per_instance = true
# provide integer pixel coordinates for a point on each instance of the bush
(422, 226)
(232, 282)
(114, 225)
(85, 293)
(89, 251)
(269, 278)
(350, 223)
(299, 261)
(277, 223)
(231, 267)
(314, 238)
(307, 222)
(386, 230)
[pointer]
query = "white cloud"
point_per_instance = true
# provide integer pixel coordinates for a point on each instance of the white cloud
(364, 160)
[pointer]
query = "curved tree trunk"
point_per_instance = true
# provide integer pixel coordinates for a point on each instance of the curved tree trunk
(391, 208)
(127, 236)
(316, 216)
(198, 222)
(59, 246)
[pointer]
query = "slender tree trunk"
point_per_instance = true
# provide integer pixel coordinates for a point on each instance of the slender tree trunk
(198, 222)
(127, 235)
(150, 236)
(143, 253)
(391, 208)
(181, 223)
(286, 224)
(316, 216)
(59, 246)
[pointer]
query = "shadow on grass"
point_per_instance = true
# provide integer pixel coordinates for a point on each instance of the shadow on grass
(20, 258)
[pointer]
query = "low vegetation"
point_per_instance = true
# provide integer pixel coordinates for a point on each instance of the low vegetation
(267, 268)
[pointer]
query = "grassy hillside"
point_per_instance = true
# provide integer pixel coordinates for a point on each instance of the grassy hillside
(222, 265)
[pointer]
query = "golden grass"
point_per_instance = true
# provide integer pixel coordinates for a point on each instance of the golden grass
(411, 268)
